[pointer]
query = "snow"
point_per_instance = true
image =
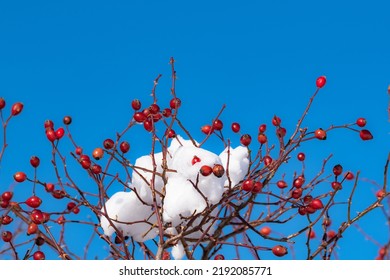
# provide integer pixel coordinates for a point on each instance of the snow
(129, 215)
(238, 163)
(187, 192)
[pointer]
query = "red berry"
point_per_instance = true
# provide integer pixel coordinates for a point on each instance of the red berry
(281, 184)
(32, 228)
(365, 135)
(61, 220)
(217, 125)
(349, 175)
(257, 187)
(139, 117)
(307, 199)
(51, 135)
(262, 128)
(170, 133)
(218, 170)
(262, 138)
(248, 185)
(320, 134)
(2, 103)
(70, 205)
(206, 170)
(321, 81)
(281, 132)
(34, 201)
(76, 210)
(136, 104)
(245, 140)
(267, 160)
(149, 125)
(310, 209)
(336, 185)
(20, 177)
(166, 112)
(301, 156)
(207, 129)
(279, 250)
(4, 203)
(6, 220)
(49, 187)
(79, 151)
(67, 120)
(327, 222)
(316, 204)
(38, 256)
(7, 196)
(124, 147)
(380, 193)
(154, 109)
(98, 153)
(49, 124)
(156, 117)
(6, 236)
(297, 193)
(302, 210)
(276, 121)
(58, 194)
(195, 159)
(85, 161)
(34, 161)
(16, 109)
(175, 103)
(96, 169)
(236, 127)
(337, 170)
(37, 217)
(311, 234)
(108, 144)
(219, 257)
(361, 122)
(330, 234)
(298, 182)
(265, 231)
(60, 133)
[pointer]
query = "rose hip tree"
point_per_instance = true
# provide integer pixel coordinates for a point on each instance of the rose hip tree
(181, 200)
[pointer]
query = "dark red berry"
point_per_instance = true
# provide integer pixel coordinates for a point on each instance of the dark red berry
(124, 147)
(34, 161)
(245, 140)
(206, 170)
(236, 127)
(136, 104)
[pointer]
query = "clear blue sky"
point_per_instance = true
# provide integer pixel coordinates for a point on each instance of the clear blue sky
(89, 59)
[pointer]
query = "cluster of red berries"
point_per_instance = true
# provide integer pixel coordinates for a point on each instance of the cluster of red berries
(16, 108)
(152, 114)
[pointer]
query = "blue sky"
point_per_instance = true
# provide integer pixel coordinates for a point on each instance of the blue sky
(89, 59)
